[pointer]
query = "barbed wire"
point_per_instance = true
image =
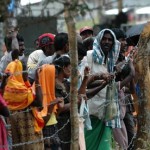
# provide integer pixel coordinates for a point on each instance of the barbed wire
(45, 138)
(39, 140)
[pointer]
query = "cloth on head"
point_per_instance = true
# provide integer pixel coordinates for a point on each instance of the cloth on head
(46, 39)
(18, 94)
(47, 82)
(98, 55)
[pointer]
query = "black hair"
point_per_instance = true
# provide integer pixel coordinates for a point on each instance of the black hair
(119, 33)
(60, 62)
(8, 42)
(15, 54)
(81, 49)
(61, 39)
(88, 42)
(107, 31)
(20, 38)
(124, 72)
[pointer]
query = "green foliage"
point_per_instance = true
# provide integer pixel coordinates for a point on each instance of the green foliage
(87, 22)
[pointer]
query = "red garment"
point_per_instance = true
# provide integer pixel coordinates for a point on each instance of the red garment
(3, 136)
(3, 133)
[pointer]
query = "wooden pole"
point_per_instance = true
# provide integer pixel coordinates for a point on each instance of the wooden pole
(142, 67)
(69, 17)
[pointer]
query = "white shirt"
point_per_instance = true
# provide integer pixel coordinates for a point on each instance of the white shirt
(6, 59)
(33, 62)
(47, 60)
(97, 103)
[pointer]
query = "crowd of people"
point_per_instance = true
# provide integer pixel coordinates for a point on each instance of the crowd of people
(35, 92)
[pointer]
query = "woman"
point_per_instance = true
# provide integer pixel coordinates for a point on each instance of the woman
(51, 105)
(25, 124)
(63, 70)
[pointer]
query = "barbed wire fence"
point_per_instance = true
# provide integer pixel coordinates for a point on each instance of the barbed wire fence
(50, 137)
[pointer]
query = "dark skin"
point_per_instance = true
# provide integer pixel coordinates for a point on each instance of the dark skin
(81, 91)
(49, 50)
(106, 44)
(58, 101)
(129, 78)
(39, 96)
(97, 82)
(4, 111)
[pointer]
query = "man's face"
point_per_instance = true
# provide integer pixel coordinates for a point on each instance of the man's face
(50, 50)
(21, 48)
(106, 42)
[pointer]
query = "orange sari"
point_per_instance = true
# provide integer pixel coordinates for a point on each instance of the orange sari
(47, 82)
(18, 94)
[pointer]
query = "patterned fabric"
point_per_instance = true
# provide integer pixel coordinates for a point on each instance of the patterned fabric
(17, 93)
(99, 57)
(54, 142)
(112, 109)
(23, 131)
(62, 90)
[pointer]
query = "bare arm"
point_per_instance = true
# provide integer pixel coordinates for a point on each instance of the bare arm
(94, 84)
(82, 89)
(14, 44)
(93, 91)
(129, 77)
(39, 95)
(59, 102)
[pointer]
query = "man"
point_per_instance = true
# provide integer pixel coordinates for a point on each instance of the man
(86, 32)
(121, 37)
(61, 45)
(46, 43)
(101, 60)
(129, 118)
(12, 42)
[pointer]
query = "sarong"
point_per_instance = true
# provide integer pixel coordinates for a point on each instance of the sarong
(100, 137)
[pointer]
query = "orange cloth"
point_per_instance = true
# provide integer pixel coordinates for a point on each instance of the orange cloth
(47, 82)
(38, 121)
(17, 93)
